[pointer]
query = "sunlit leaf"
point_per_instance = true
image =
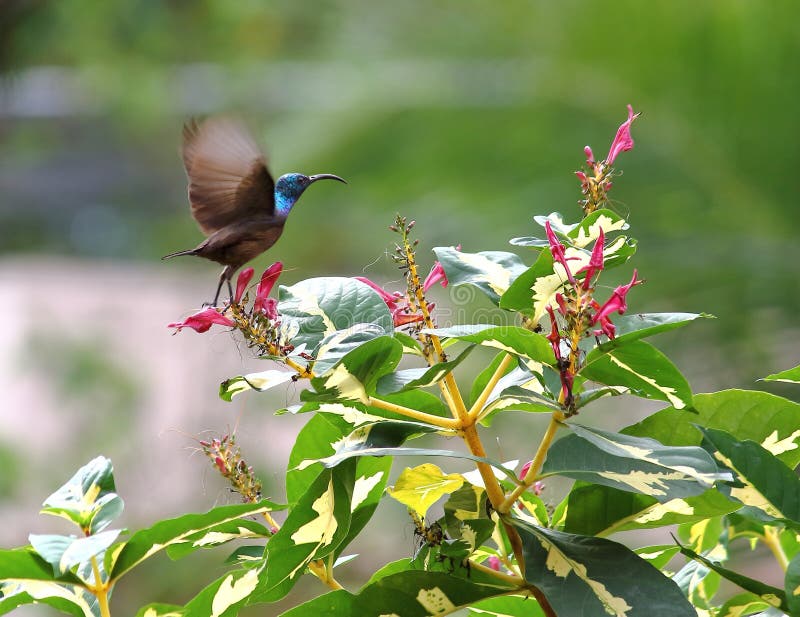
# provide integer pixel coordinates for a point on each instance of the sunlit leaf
(314, 528)
(658, 556)
(582, 575)
(506, 606)
(643, 369)
(513, 339)
(791, 375)
(319, 307)
(770, 420)
(355, 376)
(420, 487)
(408, 379)
(147, 542)
(642, 325)
(520, 294)
(260, 382)
(242, 529)
(160, 610)
(88, 499)
(64, 552)
(490, 271)
(743, 604)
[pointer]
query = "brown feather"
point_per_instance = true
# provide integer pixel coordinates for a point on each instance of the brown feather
(228, 176)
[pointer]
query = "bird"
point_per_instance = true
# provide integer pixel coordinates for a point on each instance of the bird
(233, 198)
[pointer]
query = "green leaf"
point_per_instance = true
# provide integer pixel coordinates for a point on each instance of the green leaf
(338, 344)
(602, 510)
(638, 326)
(485, 375)
(27, 578)
(513, 339)
(225, 596)
(490, 271)
(419, 488)
(643, 369)
(355, 376)
(743, 604)
(520, 294)
(792, 585)
(698, 583)
(414, 593)
(791, 375)
(770, 420)
(260, 382)
(371, 477)
(506, 606)
(409, 379)
(768, 484)
(64, 552)
(592, 577)
(658, 556)
(314, 528)
(772, 595)
(147, 542)
(241, 529)
(88, 499)
(159, 609)
(634, 464)
(319, 307)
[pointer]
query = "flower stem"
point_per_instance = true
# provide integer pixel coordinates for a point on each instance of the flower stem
(477, 407)
(513, 579)
(445, 423)
(537, 462)
(100, 590)
(772, 538)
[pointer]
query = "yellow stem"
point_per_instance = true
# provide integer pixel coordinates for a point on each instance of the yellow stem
(100, 590)
(477, 407)
(772, 538)
(449, 424)
(536, 463)
(270, 521)
(320, 570)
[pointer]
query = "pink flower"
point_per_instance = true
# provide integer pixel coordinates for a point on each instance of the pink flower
(595, 261)
(390, 299)
(589, 156)
(623, 140)
(616, 303)
(558, 251)
(524, 471)
(436, 275)
(263, 304)
(241, 283)
(203, 320)
(494, 562)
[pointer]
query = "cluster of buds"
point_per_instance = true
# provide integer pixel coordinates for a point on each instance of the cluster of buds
(597, 182)
(228, 461)
(577, 313)
(259, 324)
(409, 307)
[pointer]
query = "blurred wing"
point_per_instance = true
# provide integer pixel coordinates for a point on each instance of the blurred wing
(228, 176)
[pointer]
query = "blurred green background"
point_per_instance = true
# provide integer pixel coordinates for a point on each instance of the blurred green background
(468, 116)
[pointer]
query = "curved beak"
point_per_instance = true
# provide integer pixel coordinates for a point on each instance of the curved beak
(326, 177)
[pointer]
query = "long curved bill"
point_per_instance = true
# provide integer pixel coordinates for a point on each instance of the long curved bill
(326, 177)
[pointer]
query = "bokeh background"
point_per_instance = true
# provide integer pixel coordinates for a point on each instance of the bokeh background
(468, 116)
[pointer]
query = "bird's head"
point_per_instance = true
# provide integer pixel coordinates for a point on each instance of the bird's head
(289, 187)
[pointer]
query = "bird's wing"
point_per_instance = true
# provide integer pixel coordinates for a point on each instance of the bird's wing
(228, 176)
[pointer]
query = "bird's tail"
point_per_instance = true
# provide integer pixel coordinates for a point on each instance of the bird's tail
(179, 253)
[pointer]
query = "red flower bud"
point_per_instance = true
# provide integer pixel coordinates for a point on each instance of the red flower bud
(203, 320)
(265, 285)
(622, 140)
(241, 283)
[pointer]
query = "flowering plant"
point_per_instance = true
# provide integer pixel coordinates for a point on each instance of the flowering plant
(713, 467)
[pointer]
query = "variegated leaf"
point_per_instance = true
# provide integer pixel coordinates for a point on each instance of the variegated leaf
(319, 307)
(408, 379)
(643, 369)
(513, 339)
(588, 576)
(260, 382)
(791, 375)
(632, 464)
(490, 271)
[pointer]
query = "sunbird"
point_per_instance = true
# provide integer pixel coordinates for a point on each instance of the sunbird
(233, 197)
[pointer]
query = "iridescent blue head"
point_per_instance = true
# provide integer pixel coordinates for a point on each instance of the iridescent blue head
(289, 187)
